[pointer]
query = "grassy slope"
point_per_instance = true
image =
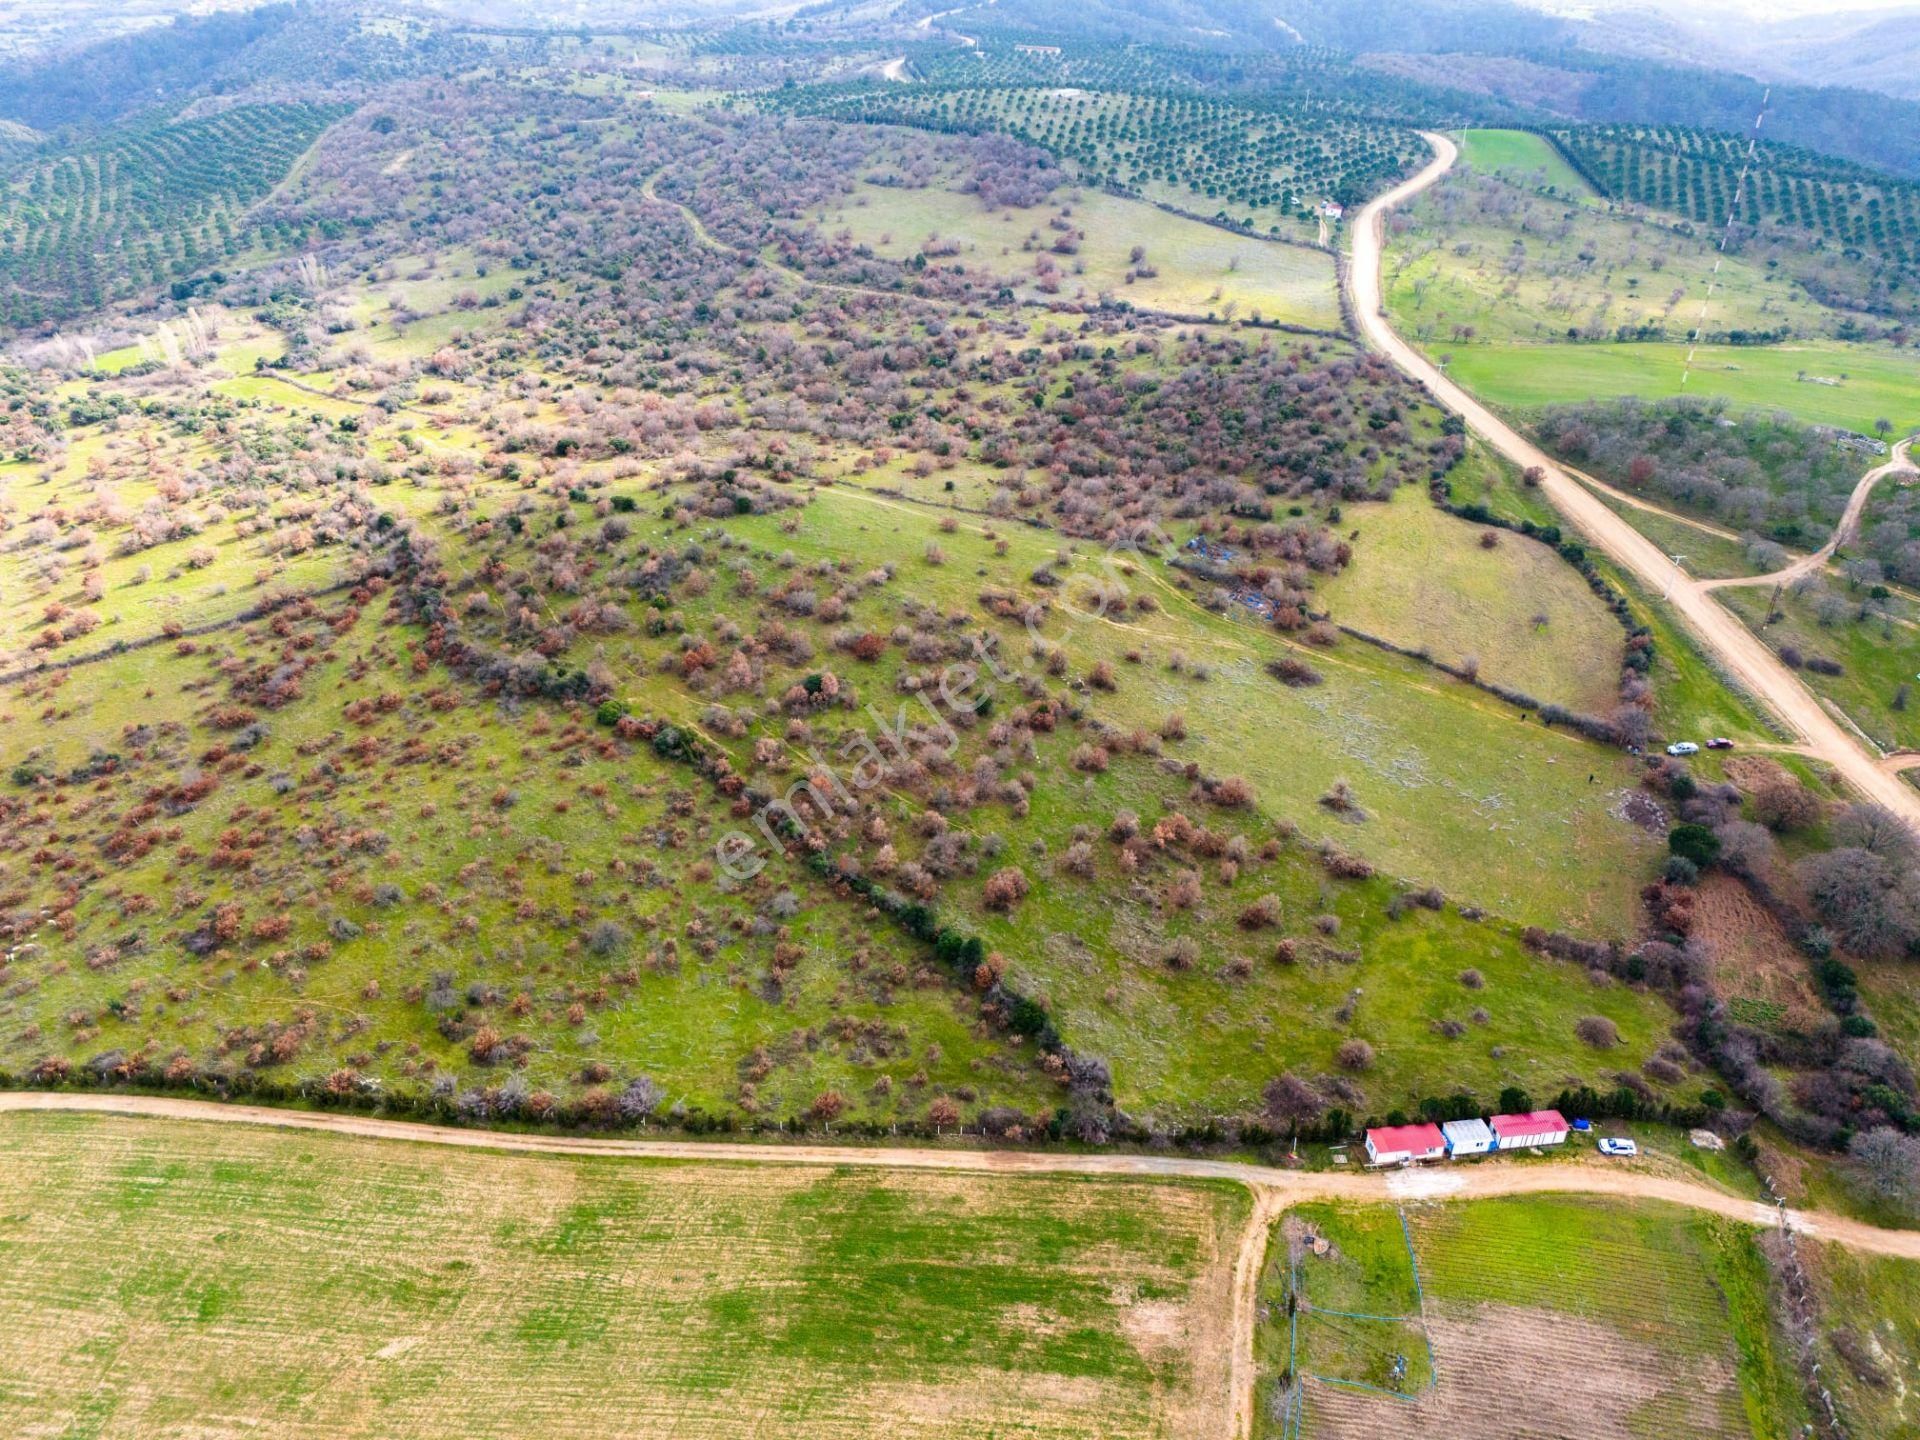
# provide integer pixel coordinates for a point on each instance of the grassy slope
(1879, 657)
(156, 1275)
(1464, 796)
(1424, 580)
(1870, 1353)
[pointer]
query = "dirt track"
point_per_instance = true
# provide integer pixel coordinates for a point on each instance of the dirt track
(1719, 632)
(1896, 464)
(1273, 1188)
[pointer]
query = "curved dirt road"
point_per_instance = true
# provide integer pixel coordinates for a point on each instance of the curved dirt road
(1897, 463)
(1722, 635)
(1272, 1188)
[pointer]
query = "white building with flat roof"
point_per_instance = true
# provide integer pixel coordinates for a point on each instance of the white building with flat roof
(1467, 1137)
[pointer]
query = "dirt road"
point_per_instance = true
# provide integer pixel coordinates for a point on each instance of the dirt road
(1898, 463)
(1273, 1189)
(1736, 648)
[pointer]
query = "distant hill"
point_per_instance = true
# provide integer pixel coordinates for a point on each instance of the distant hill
(301, 48)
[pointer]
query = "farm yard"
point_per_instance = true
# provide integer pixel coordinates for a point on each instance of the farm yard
(176, 1270)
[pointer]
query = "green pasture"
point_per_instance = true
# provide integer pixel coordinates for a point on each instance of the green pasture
(1523, 158)
(1871, 383)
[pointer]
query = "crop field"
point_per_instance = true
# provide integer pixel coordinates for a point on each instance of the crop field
(1515, 609)
(166, 1275)
(1648, 1321)
(1182, 266)
(1341, 1307)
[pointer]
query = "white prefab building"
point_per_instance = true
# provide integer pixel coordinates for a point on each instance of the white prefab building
(1404, 1144)
(1467, 1137)
(1536, 1127)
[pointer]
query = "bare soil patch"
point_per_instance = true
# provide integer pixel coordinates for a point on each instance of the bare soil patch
(1756, 968)
(1512, 1373)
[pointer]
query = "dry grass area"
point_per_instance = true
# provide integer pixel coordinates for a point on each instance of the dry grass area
(177, 1279)
(1756, 967)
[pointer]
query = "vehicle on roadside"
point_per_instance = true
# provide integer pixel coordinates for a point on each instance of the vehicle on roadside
(1683, 747)
(1612, 1146)
(1719, 742)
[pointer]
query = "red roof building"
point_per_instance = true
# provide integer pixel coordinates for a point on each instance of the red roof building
(1400, 1144)
(1536, 1127)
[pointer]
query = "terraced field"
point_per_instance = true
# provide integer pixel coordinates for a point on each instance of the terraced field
(91, 223)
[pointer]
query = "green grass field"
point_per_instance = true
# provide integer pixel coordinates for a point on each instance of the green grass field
(172, 1278)
(1877, 384)
(1870, 1353)
(1522, 158)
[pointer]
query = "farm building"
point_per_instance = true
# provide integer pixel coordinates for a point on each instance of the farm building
(1536, 1127)
(1402, 1144)
(1467, 1137)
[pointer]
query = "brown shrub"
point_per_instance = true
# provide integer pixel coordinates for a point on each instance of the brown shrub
(1005, 888)
(1598, 1031)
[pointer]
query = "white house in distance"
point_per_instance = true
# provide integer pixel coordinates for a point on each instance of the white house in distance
(1467, 1137)
(1404, 1144)
(1536, 1127)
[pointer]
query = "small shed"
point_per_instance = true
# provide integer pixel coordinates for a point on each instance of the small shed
(1402, 1144)
(1467, 1137)
(1536, 1127)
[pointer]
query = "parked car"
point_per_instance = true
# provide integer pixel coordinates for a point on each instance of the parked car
(1683, 747)
(1618, 1147)
(1719, 742)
